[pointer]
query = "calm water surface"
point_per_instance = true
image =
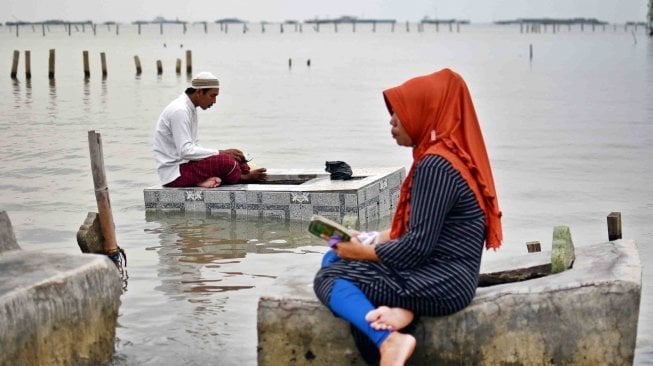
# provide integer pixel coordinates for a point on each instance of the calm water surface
(569, 133)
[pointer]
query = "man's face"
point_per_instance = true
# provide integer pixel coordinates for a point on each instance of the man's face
(207, 97)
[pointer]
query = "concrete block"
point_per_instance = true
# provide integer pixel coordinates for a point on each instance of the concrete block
(586, 315)
(7, 236)
(562, 249)
(290, 194)
(57, 309)
(89, 235)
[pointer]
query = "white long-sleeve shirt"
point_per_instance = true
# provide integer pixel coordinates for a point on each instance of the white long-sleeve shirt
(175, 139)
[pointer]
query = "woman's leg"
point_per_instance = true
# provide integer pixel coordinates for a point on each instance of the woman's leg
(350, 303)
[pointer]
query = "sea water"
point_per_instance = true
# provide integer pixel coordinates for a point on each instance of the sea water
(568, 128)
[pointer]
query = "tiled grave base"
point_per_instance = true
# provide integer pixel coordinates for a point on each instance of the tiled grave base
(293, 194)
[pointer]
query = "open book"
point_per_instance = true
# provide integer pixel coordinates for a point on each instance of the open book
(320, 225)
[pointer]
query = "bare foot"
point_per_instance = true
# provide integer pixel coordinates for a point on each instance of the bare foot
(386, 318)
(255, 175)
(397, 349)
(210, 183)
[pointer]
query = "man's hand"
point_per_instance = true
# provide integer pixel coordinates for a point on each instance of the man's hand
(237, 154)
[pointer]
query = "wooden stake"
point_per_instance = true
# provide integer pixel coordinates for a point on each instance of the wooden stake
(614, 226)
(137, 61)
(102, 192)
(87, 70)
(533, 246)
(14, 64)
(51, 65)
(28, 65)
(178, 66)
(103, 61)
(189, 62)
(159, 67)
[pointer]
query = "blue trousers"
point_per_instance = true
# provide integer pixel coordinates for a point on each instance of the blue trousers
(350, 303)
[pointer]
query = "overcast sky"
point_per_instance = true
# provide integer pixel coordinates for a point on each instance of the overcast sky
(477, 11)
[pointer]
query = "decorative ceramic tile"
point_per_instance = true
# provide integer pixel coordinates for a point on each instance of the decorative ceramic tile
(300, 197)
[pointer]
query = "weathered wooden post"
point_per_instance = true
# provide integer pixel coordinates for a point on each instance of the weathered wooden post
(533, 246)
(614, 226)
(159, 67)
(189, 62)
(161, 28)
(17, 29)
(107, 226)
(43, 28)
(178, 66)
(205, 28)
(51, 65)
(14, 64)
(530, 52)
(139, 29)
(103, 62)
(137, 61)
(28, 65)
(87, 70)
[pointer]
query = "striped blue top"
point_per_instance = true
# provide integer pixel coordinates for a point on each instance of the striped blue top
(433, 269)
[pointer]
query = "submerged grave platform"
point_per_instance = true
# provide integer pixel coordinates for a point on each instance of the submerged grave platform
(290, 194)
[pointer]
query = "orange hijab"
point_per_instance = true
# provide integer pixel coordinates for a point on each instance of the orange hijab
(441, 102)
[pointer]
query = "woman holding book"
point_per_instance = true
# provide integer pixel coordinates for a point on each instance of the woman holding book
(428, 262)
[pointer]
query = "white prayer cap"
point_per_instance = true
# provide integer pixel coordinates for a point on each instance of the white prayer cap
(205, 80)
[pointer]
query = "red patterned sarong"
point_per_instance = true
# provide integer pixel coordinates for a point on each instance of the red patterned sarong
(223, 166)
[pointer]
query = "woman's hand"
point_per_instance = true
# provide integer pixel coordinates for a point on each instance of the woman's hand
(355, 250)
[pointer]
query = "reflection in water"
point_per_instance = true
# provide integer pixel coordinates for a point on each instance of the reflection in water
(87, 96)
(196, 251)
(52, 104)
(28, 90)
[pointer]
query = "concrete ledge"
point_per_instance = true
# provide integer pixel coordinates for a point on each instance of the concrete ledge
(57, 309)
(586, 315)
(371, 194)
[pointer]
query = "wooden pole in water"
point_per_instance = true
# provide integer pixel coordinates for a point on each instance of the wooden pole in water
(614, 226)
(102, 193)
(28, 65)
(189, 62)
(178, 66)
(51, 65)
(103, 62)
(87, 70)
(43, 28)
(14, 64)
(159, 67)
(530, 51)
(533, 246)
(137, 61)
